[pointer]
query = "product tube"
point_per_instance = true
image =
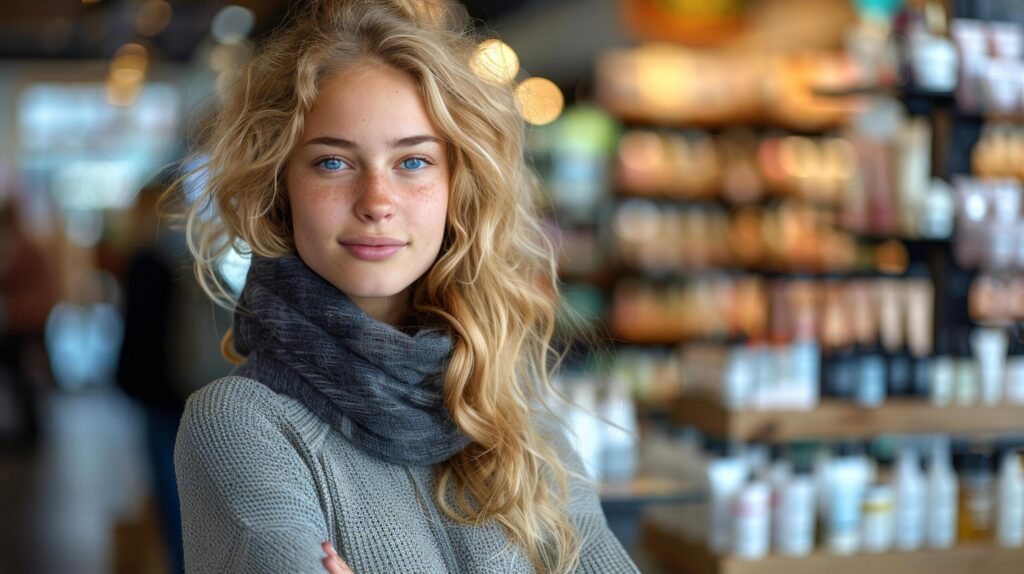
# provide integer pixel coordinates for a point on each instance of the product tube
(910, 499)
(941, 512)
(751, 520)
(918, 301)
(725, 478)
(943, 372)
(977, 498)
(1013, 390)
(877, 523)
(847, 480)
(965, 374)
(1010, 510)
(990, 349)
(794, 519)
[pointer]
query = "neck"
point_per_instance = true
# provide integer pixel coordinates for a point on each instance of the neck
(391, 310)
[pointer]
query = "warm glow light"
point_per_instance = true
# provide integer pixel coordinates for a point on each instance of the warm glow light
(664, 80)
(540, 100)
(130, 56)
(121, 93)
(152, 17)
(496, 61)
(127, 74)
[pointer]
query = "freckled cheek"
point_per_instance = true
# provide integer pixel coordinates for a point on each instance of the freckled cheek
(431, 212)
(314, 209)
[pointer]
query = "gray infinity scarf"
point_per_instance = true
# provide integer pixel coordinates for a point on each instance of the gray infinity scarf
(379, 387)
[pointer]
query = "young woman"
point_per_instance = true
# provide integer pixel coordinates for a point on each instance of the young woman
(395, 324)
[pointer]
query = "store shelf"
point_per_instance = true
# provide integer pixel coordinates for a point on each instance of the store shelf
(686, 557)
(834, 419)
(650, 489)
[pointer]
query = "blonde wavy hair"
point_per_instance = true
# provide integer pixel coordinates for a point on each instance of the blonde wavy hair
(494, 283)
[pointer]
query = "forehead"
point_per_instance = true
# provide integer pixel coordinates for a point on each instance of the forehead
(370, 100)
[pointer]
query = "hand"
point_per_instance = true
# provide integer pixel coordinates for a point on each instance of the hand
(332, 562)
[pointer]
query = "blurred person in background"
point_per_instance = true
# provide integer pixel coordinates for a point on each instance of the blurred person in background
(27, 295)
(168, 324)
(145, 370)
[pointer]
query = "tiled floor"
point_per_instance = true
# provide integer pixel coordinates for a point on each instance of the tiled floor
(60, 503)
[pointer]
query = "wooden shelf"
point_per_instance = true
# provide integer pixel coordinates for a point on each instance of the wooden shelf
(650, 489)
(834, 419)
(683, 556)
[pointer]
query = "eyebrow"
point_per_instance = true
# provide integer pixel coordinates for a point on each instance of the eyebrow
(344, 143)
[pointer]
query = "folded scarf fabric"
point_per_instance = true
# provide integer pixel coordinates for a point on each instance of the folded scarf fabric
(379, 387)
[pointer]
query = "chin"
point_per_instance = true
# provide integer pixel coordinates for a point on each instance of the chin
(372, 290)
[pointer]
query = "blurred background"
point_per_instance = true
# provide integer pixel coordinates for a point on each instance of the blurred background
(792, 227)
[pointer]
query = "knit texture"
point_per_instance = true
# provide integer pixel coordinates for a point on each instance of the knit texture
(263, 481)
(378, 386)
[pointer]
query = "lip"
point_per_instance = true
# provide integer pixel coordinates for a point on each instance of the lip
(370, 248)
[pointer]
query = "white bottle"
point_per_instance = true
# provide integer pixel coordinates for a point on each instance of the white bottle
(725, 476)
(941, 512)
(1010, 521)
(751, 519)
(1013, 377)
(738, 379)
(942, 376)
(847, 481)
(806, 374)
(794, 517)
(620, 443)
(989, 346)
(779, 474)
(585, 432)
(877, 524)
(939, 211)
(910, 500)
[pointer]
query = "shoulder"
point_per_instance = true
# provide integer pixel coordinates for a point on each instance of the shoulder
(229, 412)
(232, 393)
(241, 411)
(230, 401)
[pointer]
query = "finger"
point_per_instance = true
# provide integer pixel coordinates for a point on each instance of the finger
(332, 567)
(333, 561)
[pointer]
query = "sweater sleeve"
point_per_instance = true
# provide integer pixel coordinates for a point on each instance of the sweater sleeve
(248, 502)
(601, 551)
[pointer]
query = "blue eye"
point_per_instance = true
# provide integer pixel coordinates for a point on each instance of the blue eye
(415, 163)
(331, 163)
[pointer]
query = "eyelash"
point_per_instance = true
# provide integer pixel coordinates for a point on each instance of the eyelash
(320, 162)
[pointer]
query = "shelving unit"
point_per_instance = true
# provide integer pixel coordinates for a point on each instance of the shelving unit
(653, 304)
(648, 489)
(833, 419)
(686, 557)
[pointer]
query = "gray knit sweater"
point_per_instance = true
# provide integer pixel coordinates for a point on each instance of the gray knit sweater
(263, 481)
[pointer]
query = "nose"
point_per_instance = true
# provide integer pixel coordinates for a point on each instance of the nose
(375, 201)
